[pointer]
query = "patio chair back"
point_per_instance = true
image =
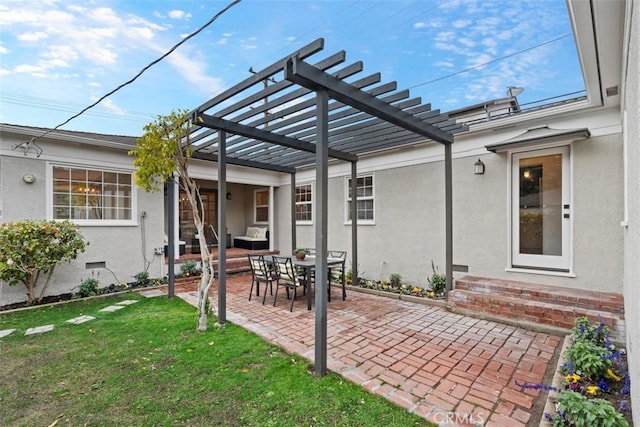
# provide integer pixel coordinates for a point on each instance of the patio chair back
(261, 273)
(288, 277)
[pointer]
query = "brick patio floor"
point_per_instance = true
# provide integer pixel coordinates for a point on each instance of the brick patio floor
(445, 367)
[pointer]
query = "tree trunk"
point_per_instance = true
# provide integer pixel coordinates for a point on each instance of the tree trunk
(207, 277)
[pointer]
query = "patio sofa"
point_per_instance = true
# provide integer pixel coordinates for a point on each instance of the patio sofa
(255, 238)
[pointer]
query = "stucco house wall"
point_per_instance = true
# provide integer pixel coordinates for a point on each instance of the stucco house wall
(123, 248)
(631, 109)
(409, 213)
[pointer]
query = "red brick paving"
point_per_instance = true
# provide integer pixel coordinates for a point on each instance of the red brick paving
(448, 368)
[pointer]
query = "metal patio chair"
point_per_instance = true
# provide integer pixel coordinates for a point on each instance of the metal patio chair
(260, 272)
(288, 278)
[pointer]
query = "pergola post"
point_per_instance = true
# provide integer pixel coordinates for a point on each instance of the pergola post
(294, 228)
(354, 223)
(448, 203)
(322, 160)
(222, 230)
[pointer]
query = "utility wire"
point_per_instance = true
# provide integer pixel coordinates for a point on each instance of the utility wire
(193, 34)
(490, 62)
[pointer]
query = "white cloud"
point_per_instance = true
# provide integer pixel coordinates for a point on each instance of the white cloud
(461, 23)
(179, 14)
(467, 42)
(194, 71)
(419, 25)
(3, 50)
(4, 72)
(222, 41)
(27, 69)
(444, 64)
(106, 16)
(110, 105)
(32, 37)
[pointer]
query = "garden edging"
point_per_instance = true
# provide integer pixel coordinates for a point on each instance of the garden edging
(409, 298)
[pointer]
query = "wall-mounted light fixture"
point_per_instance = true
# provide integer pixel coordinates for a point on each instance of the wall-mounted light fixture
(229, 196)
(29, 178)
(478, 167)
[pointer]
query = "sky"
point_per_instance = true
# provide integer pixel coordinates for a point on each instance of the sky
(59, 56)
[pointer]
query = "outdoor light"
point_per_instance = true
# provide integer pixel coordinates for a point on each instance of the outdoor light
(478, 168)
(29, 178)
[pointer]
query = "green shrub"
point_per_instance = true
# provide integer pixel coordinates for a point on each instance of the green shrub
(142, 279)
(583, 329)
(577, 410)
(437, 281)
(189, 268)
(395, 279)
(89, 287)
(589, 359)
(31, 249)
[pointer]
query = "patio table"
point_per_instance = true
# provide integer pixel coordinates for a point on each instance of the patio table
(308, 264)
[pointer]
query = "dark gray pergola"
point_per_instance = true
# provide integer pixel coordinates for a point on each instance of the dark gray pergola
(309, 115)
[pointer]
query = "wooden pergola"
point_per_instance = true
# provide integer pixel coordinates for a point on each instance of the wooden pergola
(311, 113)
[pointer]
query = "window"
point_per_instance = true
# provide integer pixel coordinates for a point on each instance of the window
(91, 195)
(365, 200)
(304, 204)
(261, 201)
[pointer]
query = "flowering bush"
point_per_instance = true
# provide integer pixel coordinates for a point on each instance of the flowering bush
(595, 375)
(30, 249)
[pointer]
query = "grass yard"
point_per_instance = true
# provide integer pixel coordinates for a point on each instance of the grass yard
(145, 365)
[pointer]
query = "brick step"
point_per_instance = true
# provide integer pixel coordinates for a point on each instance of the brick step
(571, 298)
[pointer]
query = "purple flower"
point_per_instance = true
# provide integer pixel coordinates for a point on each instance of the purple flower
(627, 385)
(602, 385)
(623, 406)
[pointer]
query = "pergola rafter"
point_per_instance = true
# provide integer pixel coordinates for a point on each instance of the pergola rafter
(309, 115)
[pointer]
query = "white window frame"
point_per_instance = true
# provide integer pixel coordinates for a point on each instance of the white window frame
(310, 203)
(256, 206)
(371, 221)
(133, 221)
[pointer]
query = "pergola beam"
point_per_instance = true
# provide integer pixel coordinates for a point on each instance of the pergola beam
(266, 136)
(310, 77)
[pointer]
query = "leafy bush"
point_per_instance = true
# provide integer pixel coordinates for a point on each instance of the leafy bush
(189, 268)
(583, 330)
(437, 281)
(589, 358)
(395, 279)
(30, 249)
(580, 411)
(89, 287)
(142, 279)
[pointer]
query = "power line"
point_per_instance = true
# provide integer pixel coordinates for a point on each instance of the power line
(490, 62)
(181, 42)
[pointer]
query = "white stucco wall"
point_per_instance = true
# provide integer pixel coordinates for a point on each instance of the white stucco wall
(409, 212)
(632, 231)
(124, 249)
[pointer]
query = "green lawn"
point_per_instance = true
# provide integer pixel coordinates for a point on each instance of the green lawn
(145, 365)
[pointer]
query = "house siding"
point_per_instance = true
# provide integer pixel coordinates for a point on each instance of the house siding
(632, 231)
(120, 247)
(409, 219)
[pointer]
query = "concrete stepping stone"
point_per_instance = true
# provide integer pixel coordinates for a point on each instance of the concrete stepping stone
(39, 329)
(80, 319)
(6, 332)
(127, 302)
(152, 293)
(112, 308)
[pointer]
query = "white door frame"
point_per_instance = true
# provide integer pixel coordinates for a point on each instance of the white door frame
(558, 263)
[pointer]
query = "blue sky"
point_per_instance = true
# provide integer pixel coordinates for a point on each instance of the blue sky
(57, 57)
